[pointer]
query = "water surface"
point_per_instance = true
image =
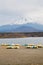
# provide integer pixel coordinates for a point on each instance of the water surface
(27, 40)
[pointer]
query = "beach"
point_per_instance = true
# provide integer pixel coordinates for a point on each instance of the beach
(21, 56)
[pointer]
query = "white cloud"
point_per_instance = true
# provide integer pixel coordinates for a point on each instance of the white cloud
(11, 9)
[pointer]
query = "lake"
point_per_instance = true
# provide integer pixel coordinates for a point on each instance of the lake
(27, 40)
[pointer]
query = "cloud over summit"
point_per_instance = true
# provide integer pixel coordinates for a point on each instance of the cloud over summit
(11, 9)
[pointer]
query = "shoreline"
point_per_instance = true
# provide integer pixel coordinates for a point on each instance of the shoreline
(21, 34)
(21, 56)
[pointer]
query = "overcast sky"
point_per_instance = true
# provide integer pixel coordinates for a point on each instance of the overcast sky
(13, 11)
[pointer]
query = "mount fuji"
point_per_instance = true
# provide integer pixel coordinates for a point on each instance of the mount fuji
(29, 27)
(24, 27)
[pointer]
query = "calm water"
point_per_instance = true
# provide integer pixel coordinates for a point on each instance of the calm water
(28, 40)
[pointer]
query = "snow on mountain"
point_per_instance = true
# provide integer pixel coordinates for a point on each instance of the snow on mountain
(30, 27)
(22, 25)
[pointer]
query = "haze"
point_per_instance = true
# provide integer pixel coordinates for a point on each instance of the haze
(21, 11)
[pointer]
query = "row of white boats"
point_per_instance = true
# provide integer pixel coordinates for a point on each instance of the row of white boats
(17, 46)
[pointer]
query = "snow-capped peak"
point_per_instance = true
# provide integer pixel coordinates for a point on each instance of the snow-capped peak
(22, 20)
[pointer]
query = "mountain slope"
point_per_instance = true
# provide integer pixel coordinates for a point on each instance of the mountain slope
(29, 27)
(26, 29)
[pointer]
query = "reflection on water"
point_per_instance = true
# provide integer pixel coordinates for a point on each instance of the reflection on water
(22, 40)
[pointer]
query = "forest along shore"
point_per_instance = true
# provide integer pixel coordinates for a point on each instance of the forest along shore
(19, 34)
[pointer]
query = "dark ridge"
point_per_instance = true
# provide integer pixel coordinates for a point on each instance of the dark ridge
(20, 34)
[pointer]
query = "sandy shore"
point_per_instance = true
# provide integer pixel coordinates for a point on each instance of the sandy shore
(21, 56)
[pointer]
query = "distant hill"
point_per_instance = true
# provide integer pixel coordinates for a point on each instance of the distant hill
(29, 27)
(26, 29)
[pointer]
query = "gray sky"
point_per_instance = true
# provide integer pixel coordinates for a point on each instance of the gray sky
(13, 11)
